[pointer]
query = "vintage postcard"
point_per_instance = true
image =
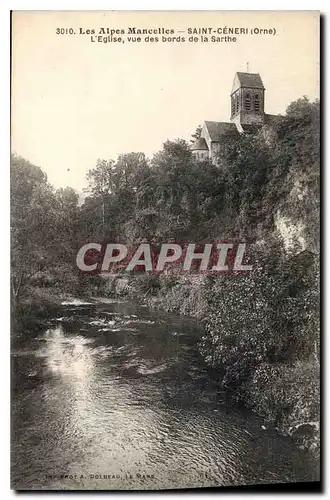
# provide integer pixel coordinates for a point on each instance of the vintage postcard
(165, 249)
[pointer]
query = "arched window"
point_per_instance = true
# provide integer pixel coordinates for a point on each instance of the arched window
(247, 101)
(257, 102)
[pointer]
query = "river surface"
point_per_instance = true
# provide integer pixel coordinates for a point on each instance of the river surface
(113, 396)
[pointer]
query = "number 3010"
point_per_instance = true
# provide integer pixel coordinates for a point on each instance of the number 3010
(64, 31)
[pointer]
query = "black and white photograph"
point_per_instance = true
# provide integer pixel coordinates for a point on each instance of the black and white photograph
(165, 250)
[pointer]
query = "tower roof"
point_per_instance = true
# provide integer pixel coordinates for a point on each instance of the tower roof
(251, 80)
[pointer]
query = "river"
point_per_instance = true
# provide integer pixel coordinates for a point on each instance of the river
(113, 396)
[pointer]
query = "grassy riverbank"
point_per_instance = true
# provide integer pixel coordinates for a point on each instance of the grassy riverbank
(35, 306)
(42, 298)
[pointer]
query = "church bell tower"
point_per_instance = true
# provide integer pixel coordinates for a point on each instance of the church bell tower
(247, 100)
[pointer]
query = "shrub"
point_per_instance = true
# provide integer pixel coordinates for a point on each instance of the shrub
(286, 395)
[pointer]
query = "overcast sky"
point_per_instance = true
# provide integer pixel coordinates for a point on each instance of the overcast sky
(74, 101)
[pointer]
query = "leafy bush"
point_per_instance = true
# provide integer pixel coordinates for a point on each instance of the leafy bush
(286, 395)
(146, 284)
(185, 295)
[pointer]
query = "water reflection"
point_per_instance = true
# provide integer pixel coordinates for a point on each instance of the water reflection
(113, 397)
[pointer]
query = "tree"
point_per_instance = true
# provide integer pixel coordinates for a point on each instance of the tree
(197, 134)
(101, 184)
(33, 220)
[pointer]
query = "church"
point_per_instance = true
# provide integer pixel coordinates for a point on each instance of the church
(247, 110)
